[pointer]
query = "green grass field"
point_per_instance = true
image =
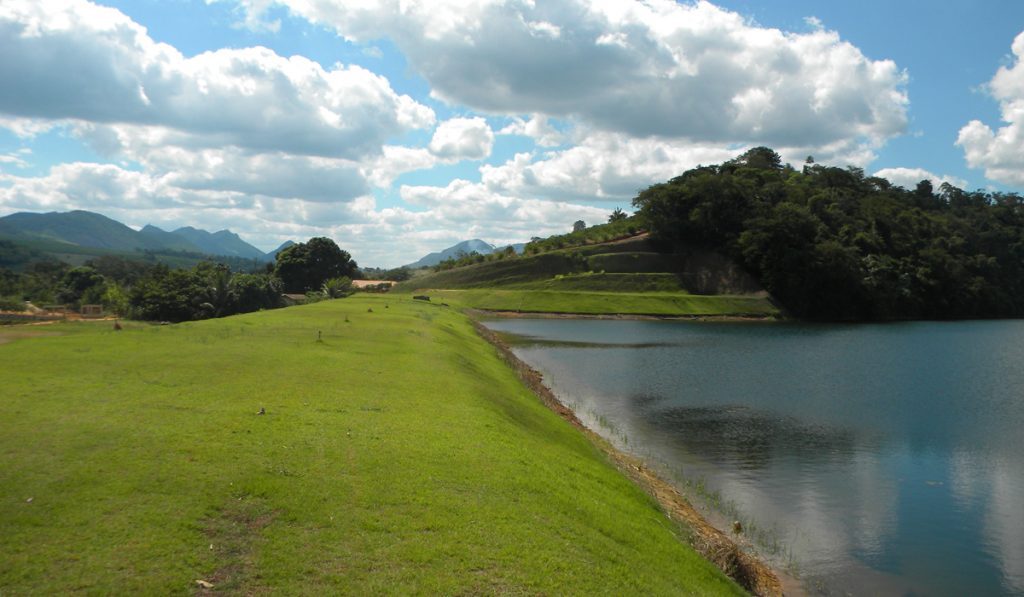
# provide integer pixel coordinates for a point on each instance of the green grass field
(669, 304)
(607, 282)
(398, 455)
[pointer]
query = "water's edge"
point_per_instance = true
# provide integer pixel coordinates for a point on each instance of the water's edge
(712, 543)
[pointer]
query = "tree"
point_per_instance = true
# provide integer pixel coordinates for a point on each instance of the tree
(579, 226)
(81, 285)
(616, 216)
(760, 157)
(253, 292)
(217, 289)
(304, 267)
(169, 295)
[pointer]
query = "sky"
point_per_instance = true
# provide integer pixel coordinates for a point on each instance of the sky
(400, 127)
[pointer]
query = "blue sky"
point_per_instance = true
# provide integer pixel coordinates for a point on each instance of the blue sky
(401, 128)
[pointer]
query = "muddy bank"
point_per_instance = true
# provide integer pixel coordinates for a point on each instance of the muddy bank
(711, 542)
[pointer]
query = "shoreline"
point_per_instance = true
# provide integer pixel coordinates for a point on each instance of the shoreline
(712, 543)
(473, 313)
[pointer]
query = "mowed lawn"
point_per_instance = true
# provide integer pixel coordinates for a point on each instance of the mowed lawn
(668, 304)
(397, 455)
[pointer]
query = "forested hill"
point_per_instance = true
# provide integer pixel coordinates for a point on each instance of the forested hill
(831, 243)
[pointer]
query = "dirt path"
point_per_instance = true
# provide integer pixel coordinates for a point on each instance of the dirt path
(11, 335)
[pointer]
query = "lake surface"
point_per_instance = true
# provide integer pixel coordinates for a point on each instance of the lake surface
(871, 459)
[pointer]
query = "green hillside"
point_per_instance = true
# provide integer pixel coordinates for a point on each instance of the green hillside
(625, 276)
(82, 228)
(77, 236)
(398, 455)
(17, 253)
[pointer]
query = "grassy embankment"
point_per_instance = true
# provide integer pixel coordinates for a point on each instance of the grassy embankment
(598, 303)
(625, 277)
(397, 455)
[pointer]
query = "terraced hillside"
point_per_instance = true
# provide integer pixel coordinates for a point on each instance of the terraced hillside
(629, 276)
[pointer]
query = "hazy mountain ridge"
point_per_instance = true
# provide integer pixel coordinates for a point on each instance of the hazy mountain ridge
(89, 229)
(272, 256)
(463, 248)
(222, 242)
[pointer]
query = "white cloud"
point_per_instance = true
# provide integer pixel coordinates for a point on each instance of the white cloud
(1001, 152)
(602, 166)
(537, 128)
(74, 60)
(271, 147)
(657, 67)
(616, 95)
(909, 177)
(395, 161)
(15, 158)
(445, 215)
(274, 175)
(462, 139)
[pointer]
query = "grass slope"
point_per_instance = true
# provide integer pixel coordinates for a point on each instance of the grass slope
(598, 303)
(398, 456)
(626, 277)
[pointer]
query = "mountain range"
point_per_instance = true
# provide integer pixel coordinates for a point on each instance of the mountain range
(91, 230)
(87, 229)
(463, 248)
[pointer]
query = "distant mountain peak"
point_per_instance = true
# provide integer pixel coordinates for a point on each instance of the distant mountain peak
(461, 248)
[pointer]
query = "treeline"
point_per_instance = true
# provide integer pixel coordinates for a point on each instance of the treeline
(831, 243)
(619, 225)
(156, 292)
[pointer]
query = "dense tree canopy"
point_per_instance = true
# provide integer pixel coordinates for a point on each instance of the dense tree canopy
(831, 243)
(304, 267)
(206, 290)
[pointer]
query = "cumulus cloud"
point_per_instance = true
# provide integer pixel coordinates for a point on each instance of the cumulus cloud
(273, 175)
(657, 68)
(464, 209)
(462, 139)
(537, 128)
(441, 216)
(909, 177)
(601, 166)
(395, 161)
(1001, 152)
(272, 147)
(74, 60)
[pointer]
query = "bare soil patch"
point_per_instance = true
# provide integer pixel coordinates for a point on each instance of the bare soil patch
(234, 533)
(11, 335)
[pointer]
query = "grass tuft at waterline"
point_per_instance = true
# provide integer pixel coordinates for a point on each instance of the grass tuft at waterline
(396, 455)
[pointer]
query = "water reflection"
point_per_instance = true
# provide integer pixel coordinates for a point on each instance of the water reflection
(878, 459)
(745, 437)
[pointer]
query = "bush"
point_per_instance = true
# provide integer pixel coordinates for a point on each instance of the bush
(337, 287)
(11, 303)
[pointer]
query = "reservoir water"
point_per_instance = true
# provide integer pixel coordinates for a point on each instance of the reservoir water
(869, 459)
